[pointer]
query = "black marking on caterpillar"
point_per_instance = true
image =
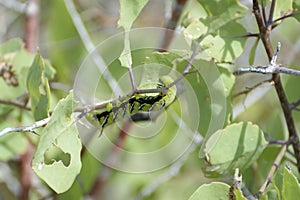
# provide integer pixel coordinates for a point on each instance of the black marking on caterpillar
(135, 104)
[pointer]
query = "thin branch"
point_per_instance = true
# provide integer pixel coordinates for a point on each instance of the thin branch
(268, 69)
(272, 170)
(90, 47)
(15, 103)
(294, 105)
(256, 35)
(264, 11)
(249, 89)
(14, 5)
(284, 17)
(265, 37)
(29, 128)
(271, 14)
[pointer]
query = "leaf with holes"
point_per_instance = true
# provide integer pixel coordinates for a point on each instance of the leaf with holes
(57, 158)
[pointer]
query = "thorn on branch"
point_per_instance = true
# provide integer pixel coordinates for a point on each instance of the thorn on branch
(271, 68)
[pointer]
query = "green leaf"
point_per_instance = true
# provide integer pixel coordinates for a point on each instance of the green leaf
(286, 184)
(221, 12)
(59, 137)
(225, 45)
(129, 11)
(212, 98)
(38, 89)
(86, 178)
(236, 146)
(282, 8)
(212, 191)
(195, 29)
(11, 46)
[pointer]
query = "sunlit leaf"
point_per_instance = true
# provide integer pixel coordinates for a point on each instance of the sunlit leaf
(60, 135)
(226, 45)
(212, 191)
(235, 146)
(129, 10)
(221, 12)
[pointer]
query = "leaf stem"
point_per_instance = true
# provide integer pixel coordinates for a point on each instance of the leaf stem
(15, 103)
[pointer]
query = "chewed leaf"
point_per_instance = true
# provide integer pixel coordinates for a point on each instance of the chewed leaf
(57, 158)
(236, 146)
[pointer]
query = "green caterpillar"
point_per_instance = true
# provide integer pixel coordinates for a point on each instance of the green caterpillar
(135, 104)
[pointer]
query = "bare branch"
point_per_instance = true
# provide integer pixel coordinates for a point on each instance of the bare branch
(271, 68)
(29, 128)
(271, 14)
(264, 11)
